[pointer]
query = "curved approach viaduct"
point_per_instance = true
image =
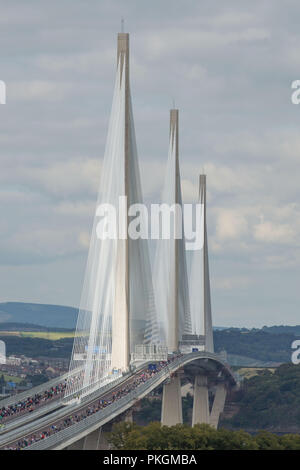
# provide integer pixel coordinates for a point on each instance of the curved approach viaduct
(204, 369)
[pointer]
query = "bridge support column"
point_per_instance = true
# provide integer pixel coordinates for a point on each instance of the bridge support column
(201, 404)
(129, 416)
(96, 440)
(218, 405)
(78, 445)
(92, 440)
(171, 412)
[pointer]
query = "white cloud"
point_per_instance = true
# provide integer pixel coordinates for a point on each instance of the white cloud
(68, 177)
(172, 41)
(84, 239)
(39, 90)
(80, 62)
(229, 283)
(230, 224)
(76, 209)
(45, 242)
(272, 232)
(190, 191)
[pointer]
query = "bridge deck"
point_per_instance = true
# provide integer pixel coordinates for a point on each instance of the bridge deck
(74, 432)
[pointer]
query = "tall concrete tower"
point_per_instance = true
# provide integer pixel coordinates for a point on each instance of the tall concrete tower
(120, 319)
(117, 309)
(134, 299)
(172, 297)
(208, 330)
(171, 411)
(173, 333)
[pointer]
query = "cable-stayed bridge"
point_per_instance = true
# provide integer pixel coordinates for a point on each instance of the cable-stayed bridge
(135, 331)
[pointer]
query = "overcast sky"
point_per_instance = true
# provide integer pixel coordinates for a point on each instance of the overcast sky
(228, 66)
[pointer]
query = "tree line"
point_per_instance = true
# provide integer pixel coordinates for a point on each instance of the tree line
(130, 436)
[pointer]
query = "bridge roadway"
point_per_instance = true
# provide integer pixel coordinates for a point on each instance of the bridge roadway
(45, 407)
(24, 416)
(75, 431)
(62, 411)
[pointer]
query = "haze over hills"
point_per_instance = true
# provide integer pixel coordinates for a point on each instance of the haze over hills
(40, 317)
(16, 314)
(265, 347)
(50, 316)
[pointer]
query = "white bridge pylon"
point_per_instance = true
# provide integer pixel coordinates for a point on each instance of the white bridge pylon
(199, 283)
(117, 310)
(122, 309)
(170, 269)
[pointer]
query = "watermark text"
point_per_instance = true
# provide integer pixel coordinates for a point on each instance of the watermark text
(2, 92)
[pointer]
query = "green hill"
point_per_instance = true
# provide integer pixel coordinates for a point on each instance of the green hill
(36, 347)
(255, 344)
(285, 329)
(266, 345)
(50, 316)
(270, 401)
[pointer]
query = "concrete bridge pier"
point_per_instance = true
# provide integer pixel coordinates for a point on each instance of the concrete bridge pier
(129, 416)
(171, 412)
(78, 445)
(218, 404)
(201, 403)
(93, 441)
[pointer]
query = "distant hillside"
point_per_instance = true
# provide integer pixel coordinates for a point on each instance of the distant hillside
(274, 330)
(37, 347)
(255, 344)
(270, 401)
(244, 346)
(58, 316)
(277, 330)
(50, 316)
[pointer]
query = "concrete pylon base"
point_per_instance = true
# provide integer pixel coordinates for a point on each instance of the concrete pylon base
(201, 404)
(171, 412)
(218, 405)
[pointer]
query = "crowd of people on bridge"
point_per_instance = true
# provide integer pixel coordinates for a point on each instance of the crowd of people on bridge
(31, 403)
(91, 408)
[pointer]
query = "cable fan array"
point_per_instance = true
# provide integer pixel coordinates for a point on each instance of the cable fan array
(119, 293)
